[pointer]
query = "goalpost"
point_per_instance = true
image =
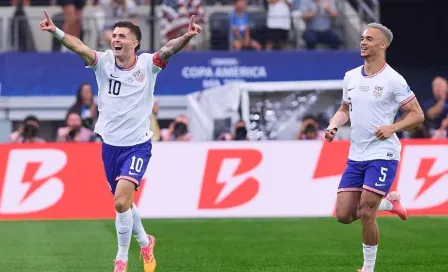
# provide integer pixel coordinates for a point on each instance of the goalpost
(271, 110)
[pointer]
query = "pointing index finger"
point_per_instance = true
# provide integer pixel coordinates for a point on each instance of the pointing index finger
(191, 20)
(46, 15)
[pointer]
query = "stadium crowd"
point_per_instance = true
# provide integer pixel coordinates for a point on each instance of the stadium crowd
(82, 115)
(270, 25)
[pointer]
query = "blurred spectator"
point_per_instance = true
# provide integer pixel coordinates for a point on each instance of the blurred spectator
(418, 132)
(114, 11)
(72, 17)
(224, 137)
(175, 18)
(239, 20)
(85, 105)
(436, 107)
(240, 132)
(318, 15)
(28, 131)
(278, 23)
(23, 2)
(309, 130)
(154, 123)
(74, 131)
(177, 130)
(442, 132)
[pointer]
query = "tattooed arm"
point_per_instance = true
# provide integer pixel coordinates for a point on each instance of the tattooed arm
(175, 45)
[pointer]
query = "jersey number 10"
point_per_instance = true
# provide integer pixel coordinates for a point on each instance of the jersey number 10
(114, 87)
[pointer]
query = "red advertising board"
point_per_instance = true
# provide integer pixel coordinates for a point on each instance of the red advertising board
(209, 179)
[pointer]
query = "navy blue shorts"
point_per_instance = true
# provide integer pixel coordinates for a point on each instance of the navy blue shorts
(375, 175)
(125, 162)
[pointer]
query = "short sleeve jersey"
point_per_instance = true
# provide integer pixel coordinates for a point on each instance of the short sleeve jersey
(125, 98)
(374, 101)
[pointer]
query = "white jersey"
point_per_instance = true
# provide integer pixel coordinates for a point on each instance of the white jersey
(125, 98)
(374, 101)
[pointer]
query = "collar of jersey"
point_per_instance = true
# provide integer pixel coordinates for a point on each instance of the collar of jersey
(126, 69)
(363, 73)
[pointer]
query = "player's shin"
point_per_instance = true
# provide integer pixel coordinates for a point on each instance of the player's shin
(123, 224)
(370, 241)
(138, 230)
(367, 211)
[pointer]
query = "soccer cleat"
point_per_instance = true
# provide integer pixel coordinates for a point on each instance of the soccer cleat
(397, 208)
(149, 261)
(120, 266)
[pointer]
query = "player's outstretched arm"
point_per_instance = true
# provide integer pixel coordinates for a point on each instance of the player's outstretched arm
(339, 119)
(69, 41)
(175, 45)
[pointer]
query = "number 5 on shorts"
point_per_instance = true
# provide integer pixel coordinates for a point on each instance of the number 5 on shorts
(383, 174)
(136, 164)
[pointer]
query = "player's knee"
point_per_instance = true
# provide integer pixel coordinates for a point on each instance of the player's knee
(344, 218)
(121, 204)
(367, 212)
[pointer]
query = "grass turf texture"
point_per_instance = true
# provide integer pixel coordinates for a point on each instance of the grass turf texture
(213, 245)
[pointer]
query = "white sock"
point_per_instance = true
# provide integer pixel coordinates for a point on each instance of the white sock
(369, 257)
(123, 224)
(385, 205)
(137, 230)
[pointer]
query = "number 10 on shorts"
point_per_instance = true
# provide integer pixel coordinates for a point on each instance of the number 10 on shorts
(136, 164)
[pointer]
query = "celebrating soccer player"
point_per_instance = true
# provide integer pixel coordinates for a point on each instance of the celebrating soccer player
(372, 95)
(126, 97)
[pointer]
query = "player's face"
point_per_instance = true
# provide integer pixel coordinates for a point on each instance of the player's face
(372, 42)
(123, 42)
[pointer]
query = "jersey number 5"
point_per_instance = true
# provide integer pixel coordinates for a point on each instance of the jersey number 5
(383, 174)
(114, 87)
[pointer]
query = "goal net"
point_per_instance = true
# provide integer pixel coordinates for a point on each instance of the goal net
(271, 110)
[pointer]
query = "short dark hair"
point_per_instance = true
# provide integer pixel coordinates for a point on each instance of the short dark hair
(70, 112)
(133, 28)
(31, 118)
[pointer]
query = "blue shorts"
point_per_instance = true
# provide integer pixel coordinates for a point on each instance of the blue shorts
(375, 175)
(125, 162)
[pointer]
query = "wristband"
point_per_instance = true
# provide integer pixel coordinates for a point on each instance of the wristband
(58, 34)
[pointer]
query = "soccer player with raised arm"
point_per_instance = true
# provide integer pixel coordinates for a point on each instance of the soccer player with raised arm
(125, 100)
(372, 95)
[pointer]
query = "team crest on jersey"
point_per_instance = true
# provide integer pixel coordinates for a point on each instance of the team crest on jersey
(139, 76)
(378, 91)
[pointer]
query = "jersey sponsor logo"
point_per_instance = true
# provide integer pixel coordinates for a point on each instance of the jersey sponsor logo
(30, 182)
(227, 180)
(378, 91)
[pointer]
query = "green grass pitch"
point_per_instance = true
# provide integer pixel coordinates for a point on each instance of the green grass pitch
(212, 245)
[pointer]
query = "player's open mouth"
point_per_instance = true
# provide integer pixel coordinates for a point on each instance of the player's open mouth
(363, 50)
(117, 48)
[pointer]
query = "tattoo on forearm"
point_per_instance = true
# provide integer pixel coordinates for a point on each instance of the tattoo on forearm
(173, 46)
